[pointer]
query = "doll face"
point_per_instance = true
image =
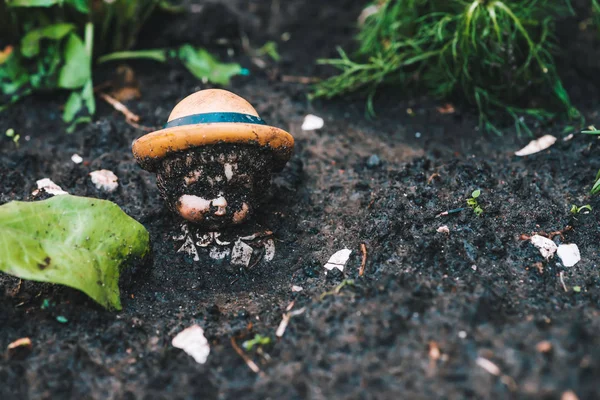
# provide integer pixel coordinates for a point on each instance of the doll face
(217, 186)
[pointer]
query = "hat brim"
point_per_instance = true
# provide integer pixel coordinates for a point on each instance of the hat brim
(157, 145)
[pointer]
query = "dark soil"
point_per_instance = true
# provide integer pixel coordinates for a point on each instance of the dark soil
(431, 307)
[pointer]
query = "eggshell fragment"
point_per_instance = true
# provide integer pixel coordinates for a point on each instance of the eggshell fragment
(569, 254)
(192, 341)
(338, 260)
(535, 146)
(104, 180)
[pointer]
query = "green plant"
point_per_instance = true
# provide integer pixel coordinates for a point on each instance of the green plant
(10, 133)
(488, 53)
(596, 187)
(199, 62)
(53, 44)
(576, 210)
(258, 340)
(74, 241)
(474, 204)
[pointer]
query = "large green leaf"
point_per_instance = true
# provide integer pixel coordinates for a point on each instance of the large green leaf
(206, 67)
(30, 44)
(77, 69)
(32, 3)
(74, 241)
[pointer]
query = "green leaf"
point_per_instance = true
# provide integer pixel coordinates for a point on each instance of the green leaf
(30, 44)
(80, 5)
(87, 94)
(476, 193)
(72, 106)
(159, 55)
(77, 69)
(205, 67)
(74, 241)
(32, 3)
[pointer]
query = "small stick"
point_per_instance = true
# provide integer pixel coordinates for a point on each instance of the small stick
(299, 79)
(363, 264)
(117, 105)
(453, 211)
(562, 281)
(251, 364)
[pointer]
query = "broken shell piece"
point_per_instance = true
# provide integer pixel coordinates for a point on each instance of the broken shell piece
(338, 260)
(444, 229)
(312, 123)
(76, 158)
(49, 187)
(569, 254)
(269, 250)
(297, 288)
(104, 180)
(535, 146)
(192, 341)
(218, 253)
(546, 246)
(241, 254)
(189, 248)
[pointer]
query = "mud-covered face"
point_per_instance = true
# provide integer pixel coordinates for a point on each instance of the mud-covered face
(216, 186)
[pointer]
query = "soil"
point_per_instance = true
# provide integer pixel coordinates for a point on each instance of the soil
(476, 312)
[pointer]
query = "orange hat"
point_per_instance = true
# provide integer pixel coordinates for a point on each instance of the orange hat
(208, 117)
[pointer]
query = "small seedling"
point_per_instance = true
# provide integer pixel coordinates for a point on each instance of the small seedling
(61, 319)
(474, 204)
(270, 49)
(338, 288)
(577, 289)
(577, 210)
(259, 340)
(10, 132)
(45, 304)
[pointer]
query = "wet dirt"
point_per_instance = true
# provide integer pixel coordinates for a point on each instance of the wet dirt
(473, 313)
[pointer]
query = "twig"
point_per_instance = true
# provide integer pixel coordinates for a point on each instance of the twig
(562, 281)
(363, 264)
(117, 105)
(299, 79)
(251, 364)
(454, 211)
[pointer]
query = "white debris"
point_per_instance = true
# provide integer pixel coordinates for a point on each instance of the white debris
(192, 341)
(488, 366)
(546, 246)
(286, 320)
(338, 260)
(297, 288)
(535, 146)
(241, 254)
(568, 137)
(444, 229)
(205, 240)
(217, 253)
(366, 13)
(312, 123)
(76, 158)
(269, 250)
(219, 241)
(104, 180)
(569, 254)
(462, 334)
(189, 248)
(49, 187)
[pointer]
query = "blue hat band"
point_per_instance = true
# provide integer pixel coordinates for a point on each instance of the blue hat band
(215, 117)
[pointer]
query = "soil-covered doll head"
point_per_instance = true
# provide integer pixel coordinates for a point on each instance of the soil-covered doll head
(214, 158)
